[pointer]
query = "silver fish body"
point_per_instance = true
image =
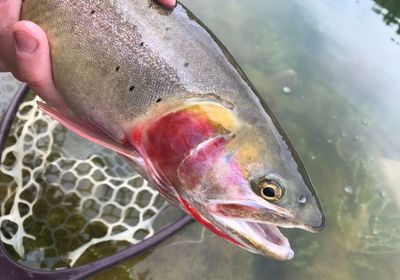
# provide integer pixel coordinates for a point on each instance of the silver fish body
(132, 53)
(161, 82)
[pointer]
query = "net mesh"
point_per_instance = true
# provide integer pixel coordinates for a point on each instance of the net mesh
(61, 195)
(8, 87)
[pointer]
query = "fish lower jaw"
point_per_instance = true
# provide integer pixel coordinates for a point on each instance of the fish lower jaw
(259, 238)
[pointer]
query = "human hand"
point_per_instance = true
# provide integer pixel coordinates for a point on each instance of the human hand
(24, 51)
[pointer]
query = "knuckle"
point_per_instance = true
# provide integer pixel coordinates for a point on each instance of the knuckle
(5, 26)
(7, 22)
(5, 38)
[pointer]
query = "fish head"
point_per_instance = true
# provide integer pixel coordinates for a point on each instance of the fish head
(238, 177)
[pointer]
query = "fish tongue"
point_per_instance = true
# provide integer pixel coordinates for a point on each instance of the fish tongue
(271, 233)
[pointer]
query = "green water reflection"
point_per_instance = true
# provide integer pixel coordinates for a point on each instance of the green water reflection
(329, 70)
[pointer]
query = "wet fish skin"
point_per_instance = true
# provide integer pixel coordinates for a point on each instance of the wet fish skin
(135, 69)
(133, 55)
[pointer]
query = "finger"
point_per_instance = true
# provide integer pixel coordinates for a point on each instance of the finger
(170, 4)
(9, 15)
(33, 61)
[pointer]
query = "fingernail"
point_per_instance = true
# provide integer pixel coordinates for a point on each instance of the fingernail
(25, 42)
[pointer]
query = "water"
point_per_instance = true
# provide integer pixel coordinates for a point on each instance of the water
(340, 62)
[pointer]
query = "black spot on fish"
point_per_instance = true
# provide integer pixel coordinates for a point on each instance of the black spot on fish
(92, 12)
(186, 64)
(159, 100)
(167, 28)
(142, 44)
(131, 88)
(117, 68)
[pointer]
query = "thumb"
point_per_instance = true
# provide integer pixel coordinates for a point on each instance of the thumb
(170, 4)
(33, 61)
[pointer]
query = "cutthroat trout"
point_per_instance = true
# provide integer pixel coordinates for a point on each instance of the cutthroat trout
(157, 87)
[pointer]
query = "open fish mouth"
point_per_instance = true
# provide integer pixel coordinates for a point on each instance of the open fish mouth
(255, 228)
(259, 238)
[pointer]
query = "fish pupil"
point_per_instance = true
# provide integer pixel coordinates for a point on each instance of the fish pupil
(269, 192)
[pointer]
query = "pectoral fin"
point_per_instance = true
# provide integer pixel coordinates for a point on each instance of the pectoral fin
(91, 132)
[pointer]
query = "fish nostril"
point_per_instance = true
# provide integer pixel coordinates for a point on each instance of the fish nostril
(302, 199)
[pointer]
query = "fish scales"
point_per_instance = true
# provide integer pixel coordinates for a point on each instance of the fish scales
(128, 65)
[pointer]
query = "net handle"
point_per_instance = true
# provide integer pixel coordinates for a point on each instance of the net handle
(11, 269)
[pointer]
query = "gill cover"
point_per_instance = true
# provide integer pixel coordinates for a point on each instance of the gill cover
(206, 160)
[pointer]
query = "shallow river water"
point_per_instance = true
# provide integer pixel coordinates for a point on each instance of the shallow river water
(330, 72)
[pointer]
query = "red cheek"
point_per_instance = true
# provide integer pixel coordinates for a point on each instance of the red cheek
(195, 168)
(170, 139)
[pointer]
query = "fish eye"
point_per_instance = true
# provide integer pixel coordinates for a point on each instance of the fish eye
(270, 190)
